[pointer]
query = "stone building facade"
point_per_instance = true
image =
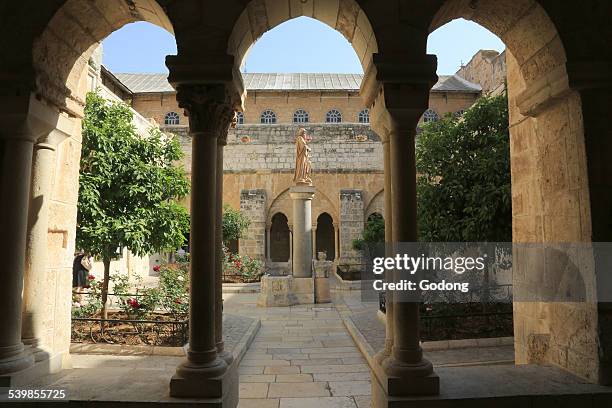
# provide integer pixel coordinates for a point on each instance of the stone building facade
(347, 155)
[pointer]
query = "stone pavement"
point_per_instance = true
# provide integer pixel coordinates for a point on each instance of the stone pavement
(302, 357)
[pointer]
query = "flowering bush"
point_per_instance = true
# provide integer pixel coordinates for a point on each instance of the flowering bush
(247, 268)
(174, 289)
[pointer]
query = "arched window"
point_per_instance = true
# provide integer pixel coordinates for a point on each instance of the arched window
(459, 113)
(268, 117)
(364, 116)
(172, 118)
(300, 116)
(239, 118)
(333, 116)
(279, 239)
(325, 236)
(430, 116)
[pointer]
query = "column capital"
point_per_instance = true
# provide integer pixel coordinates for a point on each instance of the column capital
(27, 118)
(208, 107)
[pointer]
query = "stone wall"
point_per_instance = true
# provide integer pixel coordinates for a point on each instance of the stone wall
(253, 206)
(488, 69)
(351, 224)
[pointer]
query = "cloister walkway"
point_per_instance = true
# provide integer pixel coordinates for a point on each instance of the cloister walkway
(301, 357)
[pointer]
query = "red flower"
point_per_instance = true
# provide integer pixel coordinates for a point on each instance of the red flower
(156, 268)
(178, 301)
(91, 277)
(133, 303)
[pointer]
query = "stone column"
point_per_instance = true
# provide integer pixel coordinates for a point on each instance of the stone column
(290, 226)
(204, 373)
(225, 355)
(336, 241)
(268, 256)
(388, 211)
(15, 193)
(314, 241)
(406, 366)
(302, 230)
(36, 242)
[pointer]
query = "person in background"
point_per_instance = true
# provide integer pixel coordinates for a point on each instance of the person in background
(81, 266)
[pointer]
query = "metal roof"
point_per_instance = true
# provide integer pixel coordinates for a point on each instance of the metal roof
(152, 83)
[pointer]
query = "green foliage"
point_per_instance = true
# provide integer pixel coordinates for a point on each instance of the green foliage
(247, 268)
(128, 185)
(234, 224)
(373, 233)
(174, 288)
(463, 166)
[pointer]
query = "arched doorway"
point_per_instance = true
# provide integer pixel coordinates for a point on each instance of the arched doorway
(280, 249)
(325, 236)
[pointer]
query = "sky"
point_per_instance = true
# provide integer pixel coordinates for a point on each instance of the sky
(299, 45)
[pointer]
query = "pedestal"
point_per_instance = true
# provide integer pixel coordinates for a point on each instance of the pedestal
(302, 230)
(286, 291)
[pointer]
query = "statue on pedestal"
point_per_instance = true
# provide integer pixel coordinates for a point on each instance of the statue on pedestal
(302, 159)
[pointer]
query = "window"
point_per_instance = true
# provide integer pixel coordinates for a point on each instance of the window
(333, 116)
(172, 118)
(430, 116)
(268, 117)
(300, 116)
(239, 118)
(364, 116)
(459, 113)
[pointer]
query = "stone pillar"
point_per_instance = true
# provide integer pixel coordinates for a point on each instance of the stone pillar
(336, 241)
(302, 230)
(36, 262)
(204, 374)
(388, 211)
(351, 224)
(15, 192)
(268, 228)
(314, 241)
(23, 120)
(225, 355)
(398, 101)
(253, 205)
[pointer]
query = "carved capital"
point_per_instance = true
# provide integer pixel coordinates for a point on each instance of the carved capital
(208, 107)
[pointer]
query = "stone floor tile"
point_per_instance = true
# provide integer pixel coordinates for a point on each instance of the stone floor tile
(258, 403)
(282, 370)
(258, 378)
(299, 390)
(250, 370)
(363, 401)
(317, 361)
(349, 388)
(348, 368)
(292, 378)
(358, 376)
(266, 362)
(320, 402)
(254, 390)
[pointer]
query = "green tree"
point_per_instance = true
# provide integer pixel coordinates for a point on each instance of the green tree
(128, 187)
(235, 224)
(463, 167)
(373, 233)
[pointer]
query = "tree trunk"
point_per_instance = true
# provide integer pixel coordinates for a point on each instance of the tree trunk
(106, 261)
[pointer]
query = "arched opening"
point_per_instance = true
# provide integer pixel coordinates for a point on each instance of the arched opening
(325, 236)
(280, 247)
(547, 144)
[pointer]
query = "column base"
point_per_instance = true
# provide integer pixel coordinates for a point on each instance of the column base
(35, 371)
(395, 392)
(286, 291)
(191, 381)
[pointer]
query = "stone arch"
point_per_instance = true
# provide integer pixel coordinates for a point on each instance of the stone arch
(61, 54)
(280, 247)
(325, 236)
(550, 191)
(376, 205)
(345, 16)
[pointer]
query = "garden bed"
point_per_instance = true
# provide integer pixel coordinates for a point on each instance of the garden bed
(158, 330)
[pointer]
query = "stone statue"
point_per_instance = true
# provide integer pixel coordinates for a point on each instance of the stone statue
(302, 159)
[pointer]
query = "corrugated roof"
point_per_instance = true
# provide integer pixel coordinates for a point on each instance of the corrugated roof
(147, 83)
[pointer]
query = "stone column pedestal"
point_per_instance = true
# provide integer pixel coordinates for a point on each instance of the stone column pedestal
(302, 230)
